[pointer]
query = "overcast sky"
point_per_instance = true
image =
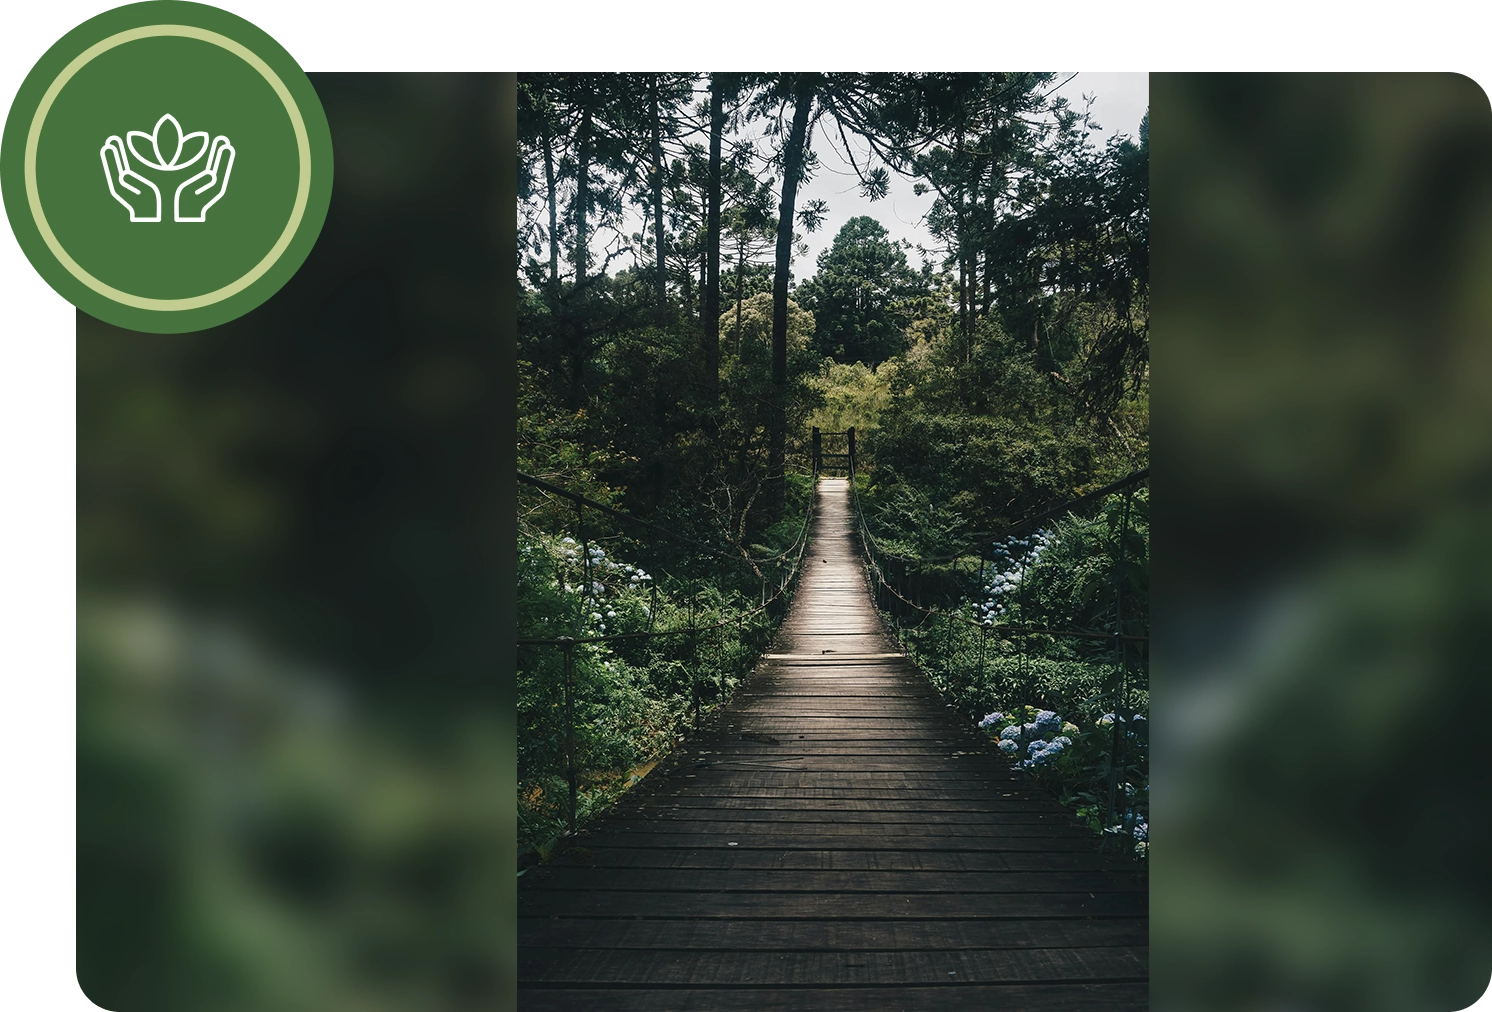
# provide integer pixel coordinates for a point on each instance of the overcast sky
(1119, 103)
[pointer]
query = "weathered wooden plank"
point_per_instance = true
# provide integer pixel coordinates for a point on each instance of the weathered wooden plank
(848, 752)
(841, 880)
(769, 803)
(872, 815)
(743, 935)
(829, 828)
(851, 841)
(826, 795)
(797, 778)
(724, 903)
(945, 998)
(918, 966)
(601, 854)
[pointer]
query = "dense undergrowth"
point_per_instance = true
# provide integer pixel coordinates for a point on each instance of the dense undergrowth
(632, 698)
(1067, 703)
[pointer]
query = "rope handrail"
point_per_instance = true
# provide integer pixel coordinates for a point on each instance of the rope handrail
(873, 549)
(579, 499)
(1021, 630)
(801, 544)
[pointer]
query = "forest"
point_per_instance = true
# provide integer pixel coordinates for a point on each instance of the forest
(678, 350)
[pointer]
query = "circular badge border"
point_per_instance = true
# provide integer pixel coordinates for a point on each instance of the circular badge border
(302, 192)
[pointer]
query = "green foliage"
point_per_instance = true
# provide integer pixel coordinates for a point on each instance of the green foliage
(862, 296)
(746, 352)
(990, 634)
(984, 431)
(852, 395)
(1005, 377)
(629, 700)
(914, 524)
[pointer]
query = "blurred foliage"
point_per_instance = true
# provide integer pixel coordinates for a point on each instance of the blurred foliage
(1323, 248)
(292, 739)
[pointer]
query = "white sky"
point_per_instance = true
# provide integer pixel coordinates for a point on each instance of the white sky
(1119, 103)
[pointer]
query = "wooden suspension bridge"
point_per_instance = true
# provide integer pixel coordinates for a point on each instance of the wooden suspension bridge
(834, 838)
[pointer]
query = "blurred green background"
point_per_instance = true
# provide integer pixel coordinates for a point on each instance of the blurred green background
(295, 724)
(1322, 556)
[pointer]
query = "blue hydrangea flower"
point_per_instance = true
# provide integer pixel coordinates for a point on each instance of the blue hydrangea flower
(1029, 730)
(1046, 755)
(1009, 747)
(1036, 748)
(990, 719)
(1047, 722)
(1011, 733)
(1063, 741)
(1142, 830)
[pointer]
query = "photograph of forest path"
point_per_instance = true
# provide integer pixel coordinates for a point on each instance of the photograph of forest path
(833, 541)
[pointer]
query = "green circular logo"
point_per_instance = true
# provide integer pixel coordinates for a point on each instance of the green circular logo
(166, 166)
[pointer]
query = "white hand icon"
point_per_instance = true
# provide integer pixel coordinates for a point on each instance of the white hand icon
(166, 149)
(207, 187)
(134, 191)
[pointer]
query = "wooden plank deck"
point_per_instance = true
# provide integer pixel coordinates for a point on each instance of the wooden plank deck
(835, 838)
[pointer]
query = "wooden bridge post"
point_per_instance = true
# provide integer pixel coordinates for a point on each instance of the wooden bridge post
(983, 619)
(1025, 625)
(693, 655)
(818, 451)
(1120, 676)
(568, 646)
(851, 435)
(585, 564)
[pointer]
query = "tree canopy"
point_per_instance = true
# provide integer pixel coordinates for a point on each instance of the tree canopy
(1017, 348)
(861, 295)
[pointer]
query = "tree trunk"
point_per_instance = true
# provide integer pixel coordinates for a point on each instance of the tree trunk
(963, 300)
(582, 197)
(712, 242)
(792, 167)
(553, 210)
(660, 252)
(740, 288)
(987, 240)
(579, 338)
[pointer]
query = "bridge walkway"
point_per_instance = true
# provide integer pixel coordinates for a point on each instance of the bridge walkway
(834, 838)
